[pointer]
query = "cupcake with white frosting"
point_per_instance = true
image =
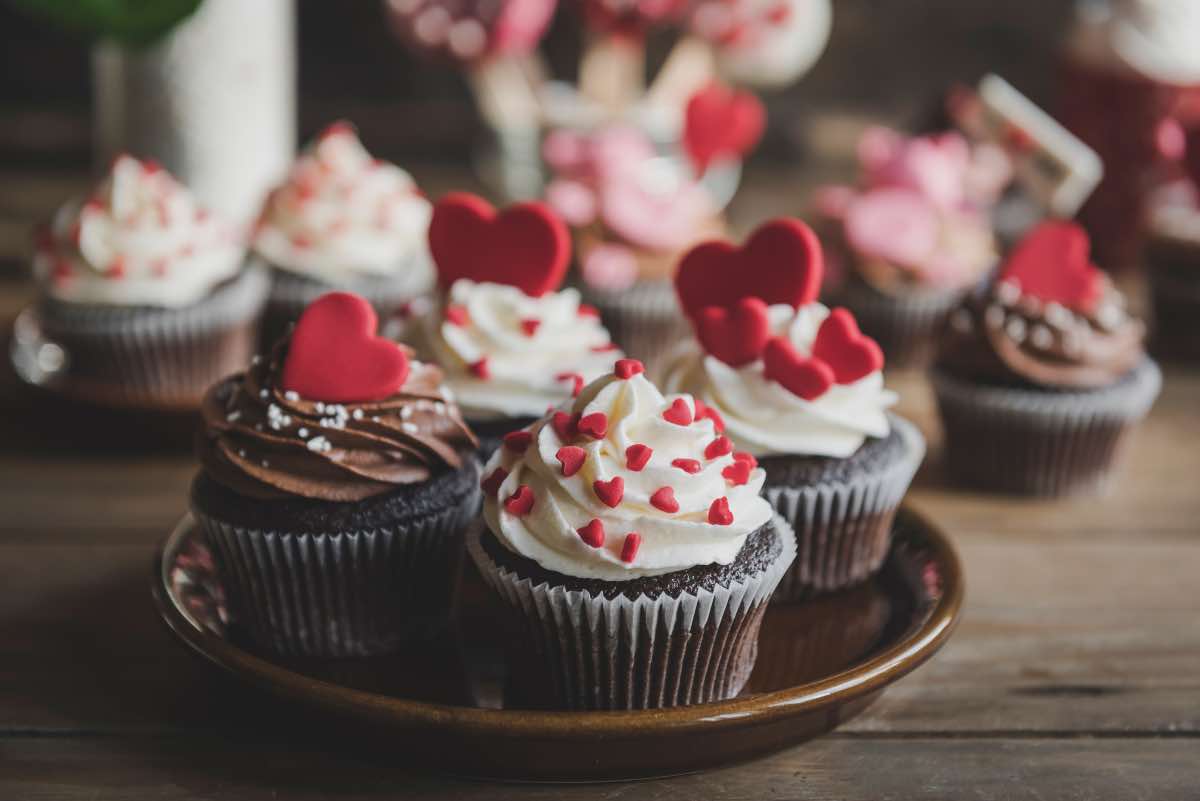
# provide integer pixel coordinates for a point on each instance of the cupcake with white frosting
(799, 388)
(623, 529)
(343, 220)
(144, 291)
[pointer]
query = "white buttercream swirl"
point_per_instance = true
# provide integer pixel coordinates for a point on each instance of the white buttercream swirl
(763, 417)
(343, 215)
(525, 372)
(670, 541)
(139, 240)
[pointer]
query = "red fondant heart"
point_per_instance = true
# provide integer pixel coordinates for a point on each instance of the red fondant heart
(334, 355)
(571, 457)
(808, 378)
(610, 492)
(849, 353)
(720, 122)
(781, 262)
(1052, 264)
(736, 336)
(524, 245)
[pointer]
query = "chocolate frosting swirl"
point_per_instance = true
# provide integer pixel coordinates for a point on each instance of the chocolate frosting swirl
(264, 442)
(1002, 336)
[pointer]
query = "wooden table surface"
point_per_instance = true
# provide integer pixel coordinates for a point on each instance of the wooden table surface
(1074, 674)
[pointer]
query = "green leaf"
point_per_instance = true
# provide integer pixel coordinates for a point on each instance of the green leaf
(131, 22)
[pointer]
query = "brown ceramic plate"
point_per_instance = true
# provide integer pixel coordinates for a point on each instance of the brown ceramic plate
(441, 706)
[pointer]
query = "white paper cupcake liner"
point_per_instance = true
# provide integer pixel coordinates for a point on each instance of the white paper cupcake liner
(645, 320)
(844, 529)
(636, 653)
(1033, 442)
(906, 326)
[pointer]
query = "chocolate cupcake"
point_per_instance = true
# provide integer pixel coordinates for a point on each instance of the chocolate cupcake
(144, 291)
(633, 556)
(1042, 375)
(509, 343)
(336, 482)
(799, 391)
(343, 221)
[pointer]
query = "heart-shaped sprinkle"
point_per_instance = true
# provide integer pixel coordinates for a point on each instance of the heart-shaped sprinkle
(525, 245)
(593, 533)
(748, 458)
(737, 335)
(530, 326)
(718, 512)
(520, 503)
(1052, 263)
(481, 369)
(808, 378)
(737, 473)
(517, 441)
(457, 315)
(595, 425)
(718, 447)
(721, 123)
(706, 412)
(628, 368)
(491, 484)
(679, 413)
(687, 465)
(588, 310)
(565, 425)
(663, 499)
(629, 548)
(576, 382)
(610, 492)
(636, 456)
(335, 357)
(608, 347)
(849, 353)
(571, 457)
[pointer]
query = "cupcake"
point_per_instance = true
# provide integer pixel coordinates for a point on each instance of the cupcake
(510, 342)
(631, 550)
(913, 237)
(144, 291)
(336, 481)
(346, 221)
(1042, 375)
(632, 213)
(799, 391)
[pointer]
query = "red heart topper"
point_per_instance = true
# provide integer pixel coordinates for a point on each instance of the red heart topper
(720, 122)
(1052, 263)
(525, 245)
(736, 336)
(334, 355)
(841, 354)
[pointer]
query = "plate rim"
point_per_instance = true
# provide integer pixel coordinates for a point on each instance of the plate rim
(856, 682)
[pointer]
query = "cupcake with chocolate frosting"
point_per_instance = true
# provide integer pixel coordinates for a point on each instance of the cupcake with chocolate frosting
(1042, 375)
(799, 391)
(145, 291)
(336, 480)
(632, 550)
(510, 342)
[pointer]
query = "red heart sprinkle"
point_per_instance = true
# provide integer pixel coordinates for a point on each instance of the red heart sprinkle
(706, 412)
(481, 369)
(848, 352)
(592, 533)
(629, 548)
(687, 465)
(334, 355)
(1053, 263)
(610, 492)
(806, 378)
(748, 458)
(718, 447)
(679, 413)
(457, 315)
(491, 484)
(116, 268)
(606, 348)
(663, 499)
(530, 326)
(595, 425)
(565, 425)
(719, 514)
(636, 456)
(525, 245)
(571, 457)
(520, 503)
(586, 310)
(737, 473)
(518, 441)
(736, 336)
(628, 368)
(720, 122)
(576, 382)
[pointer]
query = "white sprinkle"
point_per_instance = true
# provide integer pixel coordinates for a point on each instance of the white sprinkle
(1110, 316)
(292, 395)
(233, 416)
(241, 453)
(319, 444)
(1015, 328)
(1058, 315)
(409, 428)
(358, 414)
(255, 360)
(439, 407)
(1008, 292)
(320, 408)
(960, 320)
(302, 433)
(1041, 337)
(406, 412)
(994, 317)
(262, 393)
(265, 463)
(375, 419)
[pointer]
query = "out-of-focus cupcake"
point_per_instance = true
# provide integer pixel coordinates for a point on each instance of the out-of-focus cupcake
(913, 236)
(799, 391)
(1172, 257)
(1042, 375)
(342, 221)
(510, 342)
(335, 485)
(634, 569)
(144, 291)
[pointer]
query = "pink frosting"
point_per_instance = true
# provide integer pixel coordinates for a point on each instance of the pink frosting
(466, 31)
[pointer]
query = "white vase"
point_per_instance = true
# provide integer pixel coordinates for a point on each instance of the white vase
(214, 101)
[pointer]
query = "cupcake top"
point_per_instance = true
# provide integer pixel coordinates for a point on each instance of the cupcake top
(510, 342)
(623, 483)
(1156, 38)
(333, 414)
(1050, 319)
(781, 372)
(139, 239)
(343, 215)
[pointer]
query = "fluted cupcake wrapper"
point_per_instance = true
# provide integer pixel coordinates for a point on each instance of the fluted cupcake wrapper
(906, 325)
(149, 355)
(844, 528)
(344, 594)
(645, 320)
(1033, 442)
(590, 652)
